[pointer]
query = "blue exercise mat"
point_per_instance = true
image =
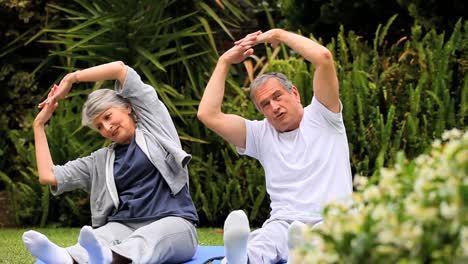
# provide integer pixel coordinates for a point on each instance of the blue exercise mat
(212, 253)
(203, 255)
(207, 253)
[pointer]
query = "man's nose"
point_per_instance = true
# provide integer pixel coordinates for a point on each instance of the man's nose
(274, 105)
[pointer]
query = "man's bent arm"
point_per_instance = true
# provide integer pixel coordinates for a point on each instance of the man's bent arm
(230, 127)
(326, 86)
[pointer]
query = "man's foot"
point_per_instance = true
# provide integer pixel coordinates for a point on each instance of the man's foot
(96, 252)
(296, 238)
(296, 234)
(42, 248)
(236, 235)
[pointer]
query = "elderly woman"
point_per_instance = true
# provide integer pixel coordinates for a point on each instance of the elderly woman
(141, 208)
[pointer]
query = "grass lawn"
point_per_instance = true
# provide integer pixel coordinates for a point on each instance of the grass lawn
(12, 249)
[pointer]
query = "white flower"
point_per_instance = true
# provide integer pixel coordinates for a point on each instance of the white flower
(389, 182)
(386, 236)
(448, 211)
(413, 208)
(464, 241)
(385, 250)
(419, 185)
(451, 147)
(388, 175)
(360, 182)
(380, 213)
(403, 207)
(371, 193)
(451, 134)
(421, 159)
(462, 156)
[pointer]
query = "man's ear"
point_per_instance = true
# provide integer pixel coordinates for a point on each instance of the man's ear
(129, 109)
(295, 91)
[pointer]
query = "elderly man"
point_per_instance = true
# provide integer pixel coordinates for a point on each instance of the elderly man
(303, 150)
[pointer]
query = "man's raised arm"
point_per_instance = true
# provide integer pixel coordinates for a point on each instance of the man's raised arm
(326, 86)
(230, 127)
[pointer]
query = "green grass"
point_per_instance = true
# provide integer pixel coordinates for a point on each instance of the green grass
(12, 249)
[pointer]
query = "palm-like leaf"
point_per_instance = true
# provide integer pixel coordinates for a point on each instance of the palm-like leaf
(163, 41)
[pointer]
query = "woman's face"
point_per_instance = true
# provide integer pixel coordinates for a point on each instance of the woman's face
(116, 124)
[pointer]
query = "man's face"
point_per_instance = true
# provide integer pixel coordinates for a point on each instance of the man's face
(282, 109)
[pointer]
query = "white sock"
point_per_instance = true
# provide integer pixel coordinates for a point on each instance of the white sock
(296, 234)
(236, 235)
(97, 253)
(42, 248)
(318, 225)
(295, 238)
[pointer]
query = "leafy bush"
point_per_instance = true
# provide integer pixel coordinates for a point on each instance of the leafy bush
(32, 202)
(325, 17)
(222, 180)
(396, 95)
(400, 97)
(414, 212)
(170, 43)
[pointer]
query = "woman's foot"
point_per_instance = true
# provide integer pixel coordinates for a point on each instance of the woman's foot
(42, 248)
(96, 252)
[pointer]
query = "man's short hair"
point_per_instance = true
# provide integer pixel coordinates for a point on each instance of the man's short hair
(260, 80)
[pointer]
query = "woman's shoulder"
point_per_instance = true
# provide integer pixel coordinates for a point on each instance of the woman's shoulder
(102, 152)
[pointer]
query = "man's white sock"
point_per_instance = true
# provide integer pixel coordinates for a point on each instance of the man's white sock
(42, 248)
(236, 235)
(296, 234)
(97, 253)
(295, 238)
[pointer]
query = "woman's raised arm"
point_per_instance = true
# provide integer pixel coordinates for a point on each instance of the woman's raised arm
(116, 70)
(43, 158)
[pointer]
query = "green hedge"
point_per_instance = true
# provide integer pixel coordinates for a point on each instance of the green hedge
(396, 96)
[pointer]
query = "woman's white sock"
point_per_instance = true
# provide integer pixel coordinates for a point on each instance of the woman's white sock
(236, 235)
(42, 248)
(97, 253)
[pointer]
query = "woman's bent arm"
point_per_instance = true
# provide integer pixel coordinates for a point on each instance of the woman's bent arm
(44, 161)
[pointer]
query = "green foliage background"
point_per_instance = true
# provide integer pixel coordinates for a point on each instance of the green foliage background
(398, 92)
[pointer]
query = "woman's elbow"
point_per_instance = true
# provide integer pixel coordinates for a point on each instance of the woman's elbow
(43, 181)
(47, 180)
(121, 71)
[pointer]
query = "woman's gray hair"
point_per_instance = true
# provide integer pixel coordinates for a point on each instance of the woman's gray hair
(98, 102)
(260, 80)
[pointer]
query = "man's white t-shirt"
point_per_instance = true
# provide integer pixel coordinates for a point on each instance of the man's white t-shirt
(304, 168)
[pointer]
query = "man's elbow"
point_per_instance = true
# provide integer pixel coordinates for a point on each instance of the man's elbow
(326, 57)
(208, 118)
(203, 116)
